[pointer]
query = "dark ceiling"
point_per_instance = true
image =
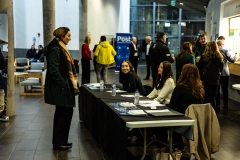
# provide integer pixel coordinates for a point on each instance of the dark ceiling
(193, 5)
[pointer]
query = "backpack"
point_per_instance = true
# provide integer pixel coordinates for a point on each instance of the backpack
(211, 74)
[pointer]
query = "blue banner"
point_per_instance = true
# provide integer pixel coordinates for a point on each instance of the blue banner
(122, 42)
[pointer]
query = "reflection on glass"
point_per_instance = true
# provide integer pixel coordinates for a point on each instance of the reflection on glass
(191, 15)
(140, 2)
(192, 28)
(141, 13)
(170, 28)
(141, 28)
(172, 43)
(166, 13)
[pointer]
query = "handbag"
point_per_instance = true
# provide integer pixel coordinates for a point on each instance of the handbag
(163, 154)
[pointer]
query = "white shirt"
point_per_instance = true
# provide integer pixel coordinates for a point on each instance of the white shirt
(148, 46)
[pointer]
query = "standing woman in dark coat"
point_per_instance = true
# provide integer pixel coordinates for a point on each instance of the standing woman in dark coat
(213, 60)
(86, 57)
(61, 85)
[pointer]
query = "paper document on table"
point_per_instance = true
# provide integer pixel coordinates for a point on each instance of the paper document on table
(150, 103)
(129, 96)
(118, 91)
(136, 112)
(156, 111)
(126, 104)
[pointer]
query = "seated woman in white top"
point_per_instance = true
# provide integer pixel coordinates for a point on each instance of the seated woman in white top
(164, 85)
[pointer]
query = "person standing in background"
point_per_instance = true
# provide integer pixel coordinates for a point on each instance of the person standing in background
(61, 86)
(224, 78)
(210, 67)
(148, 44)
(200, 46)
(86, 57)
(133, 57)
(105, 56)
(184, 57)
(159, 52)
(3, 64)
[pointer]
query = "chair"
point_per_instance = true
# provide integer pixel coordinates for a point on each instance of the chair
(36, 83)
(206, 131)
(36, 67)
(21, 64)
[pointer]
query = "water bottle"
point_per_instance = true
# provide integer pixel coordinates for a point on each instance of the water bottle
(101, 85)
(113, 89)
(136, 97)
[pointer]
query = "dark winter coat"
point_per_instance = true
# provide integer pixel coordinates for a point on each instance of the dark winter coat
(58, 86)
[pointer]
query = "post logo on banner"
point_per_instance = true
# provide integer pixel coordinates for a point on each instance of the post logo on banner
(122, 42)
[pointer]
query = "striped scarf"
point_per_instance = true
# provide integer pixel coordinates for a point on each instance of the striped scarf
(70, 67)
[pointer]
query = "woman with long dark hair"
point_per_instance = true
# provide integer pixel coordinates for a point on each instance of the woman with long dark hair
(129, 79)
(184, 57)
(189, 89)
(164, 84)
(210, 67)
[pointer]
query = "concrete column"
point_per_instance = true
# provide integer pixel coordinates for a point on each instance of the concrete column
(83, 25)
(48, 20)
(7, 7)
(48, 23)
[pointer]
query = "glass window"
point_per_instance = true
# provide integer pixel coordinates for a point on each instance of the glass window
(141, 29)
(192, 28)
(166, 13)
(170, 28)
(191, 15)
(172, 43)
(141, 13)
(140, 2)
(188, 39)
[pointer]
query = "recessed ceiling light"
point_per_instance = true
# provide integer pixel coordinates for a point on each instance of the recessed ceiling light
(181, 3)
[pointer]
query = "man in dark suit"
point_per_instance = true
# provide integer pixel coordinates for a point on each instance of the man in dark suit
(159, 52)
(133, 57)
(148, 44)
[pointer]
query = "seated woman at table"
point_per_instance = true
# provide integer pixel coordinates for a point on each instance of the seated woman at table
(129, 79)
(189, 89)
(164, 84)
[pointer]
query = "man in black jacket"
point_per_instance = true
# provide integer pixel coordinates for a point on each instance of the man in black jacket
(3, 64)
(158, 53)
(133, 57)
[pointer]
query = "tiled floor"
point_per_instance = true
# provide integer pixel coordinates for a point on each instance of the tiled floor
(28, 135)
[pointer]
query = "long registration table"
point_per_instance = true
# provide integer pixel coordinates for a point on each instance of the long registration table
(108, 128)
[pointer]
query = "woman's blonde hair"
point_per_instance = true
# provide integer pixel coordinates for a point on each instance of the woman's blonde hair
(212, 52)
(87, 39)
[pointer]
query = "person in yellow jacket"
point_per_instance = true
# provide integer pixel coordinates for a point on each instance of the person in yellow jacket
(105, 56)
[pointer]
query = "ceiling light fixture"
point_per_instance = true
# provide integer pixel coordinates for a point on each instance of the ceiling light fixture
(181, 3)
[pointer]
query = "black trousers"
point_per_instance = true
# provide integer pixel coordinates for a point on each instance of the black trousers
(224, 85)
(85, 70)
(61, 126)
(148, 66)
(134, 62)
(210, 93)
